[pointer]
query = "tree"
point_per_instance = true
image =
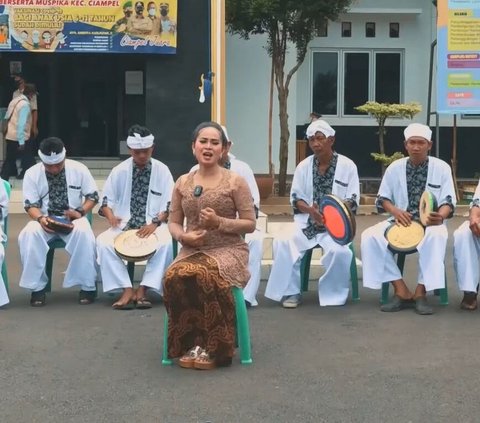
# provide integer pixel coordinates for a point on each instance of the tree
(381, 112)
(284, 22)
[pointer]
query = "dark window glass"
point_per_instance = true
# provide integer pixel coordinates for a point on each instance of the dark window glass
(370, 29)
(325, 75)
(387, 77)
(394, 30)
(346, 29)
(356, 82)
(323, 30)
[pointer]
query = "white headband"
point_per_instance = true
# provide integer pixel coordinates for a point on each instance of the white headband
(320, 125)
(52, 158)
(136, 142)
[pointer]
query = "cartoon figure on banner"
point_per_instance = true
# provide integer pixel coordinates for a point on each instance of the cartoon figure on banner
(36, 39)
(47, 39)
(60, 38)
(168, 25)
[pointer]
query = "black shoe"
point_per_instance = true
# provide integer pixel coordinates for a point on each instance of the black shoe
(86, 297)
(395, 304)
(422, 307)
(38, 298)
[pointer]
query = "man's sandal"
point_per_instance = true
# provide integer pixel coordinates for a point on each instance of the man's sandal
(143, 303)
(38, 298)
(204, 362)
(469, 301)
(187, 361)
(86, 297)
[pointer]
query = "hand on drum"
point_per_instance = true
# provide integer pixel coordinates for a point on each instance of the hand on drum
(72, 214)
(402, 217)
(434, 219)
(147, 230)
(114, 220)
(193, 238)
(208, 218)
(43, 224)
(315, 214)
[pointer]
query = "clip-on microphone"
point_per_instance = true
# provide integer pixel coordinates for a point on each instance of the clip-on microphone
(197, 191)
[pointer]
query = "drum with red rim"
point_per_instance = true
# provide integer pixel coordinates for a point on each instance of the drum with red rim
(338, 219)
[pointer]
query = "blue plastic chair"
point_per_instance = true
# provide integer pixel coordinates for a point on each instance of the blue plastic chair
(443, 293)
(54, 244)
(305, 271)
(242, 326)
(8, 189)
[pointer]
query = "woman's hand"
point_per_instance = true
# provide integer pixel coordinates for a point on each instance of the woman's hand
(193, 238)
(209, 219)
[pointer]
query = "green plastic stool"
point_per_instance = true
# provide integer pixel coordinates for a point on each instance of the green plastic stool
(242, 332)
(8, 189)
(443, 293)
(54, 244)
(305, 271)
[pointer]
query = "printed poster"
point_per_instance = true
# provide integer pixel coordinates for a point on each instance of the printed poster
(458, 56)
(88, 26)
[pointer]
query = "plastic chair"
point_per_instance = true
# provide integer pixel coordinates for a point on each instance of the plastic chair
(54, 244)
(8, 189)
(443, 293)
(242, 326)
(305, 271)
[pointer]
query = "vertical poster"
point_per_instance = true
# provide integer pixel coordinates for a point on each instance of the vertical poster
(458, 56)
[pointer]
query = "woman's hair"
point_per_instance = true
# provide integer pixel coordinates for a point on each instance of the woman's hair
(138, 129)
(215, 125)
(51, 145)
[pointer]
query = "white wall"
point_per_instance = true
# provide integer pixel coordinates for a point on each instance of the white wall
(247, 95)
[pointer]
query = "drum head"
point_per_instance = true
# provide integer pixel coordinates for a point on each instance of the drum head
(338, 219)
(428, 204)
(60, 224)
(404, 239)
(130, 247)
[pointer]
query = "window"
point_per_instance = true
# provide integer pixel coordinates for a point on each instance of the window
(345, 79)
(394, 30)
(325, 77)
(370, 29)
(346, 29)
(323, 30)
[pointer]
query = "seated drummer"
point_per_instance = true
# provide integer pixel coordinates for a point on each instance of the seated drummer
(466, 248)
(3, 238)
(136, 195)
(58, 187)
(325, 172)
(399, 195)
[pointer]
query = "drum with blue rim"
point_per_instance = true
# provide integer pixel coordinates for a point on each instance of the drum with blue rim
(338, 219)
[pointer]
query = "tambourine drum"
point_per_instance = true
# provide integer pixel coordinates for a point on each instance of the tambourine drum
(428, 204)
(59, 224)
(131, 247)
(339, 220)
(404, 239)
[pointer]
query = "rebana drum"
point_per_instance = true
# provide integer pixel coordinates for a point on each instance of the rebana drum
(338, 219)
(59, 224)
(404, 239)
(132, 248)
(427, 205)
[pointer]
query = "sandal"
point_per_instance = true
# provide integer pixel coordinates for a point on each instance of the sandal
(187, 361)
(469, 301)
(204, 362)
(143, 303)
(86, 297)
(38, 298)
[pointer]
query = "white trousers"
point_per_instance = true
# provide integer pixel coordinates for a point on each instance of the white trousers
(288, 251)
(3, 289)
(80, 244)
(466, 251)
(379, 265)
(113, 270)
(255, 247)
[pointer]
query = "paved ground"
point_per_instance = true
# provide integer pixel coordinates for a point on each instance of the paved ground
(71, 363)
